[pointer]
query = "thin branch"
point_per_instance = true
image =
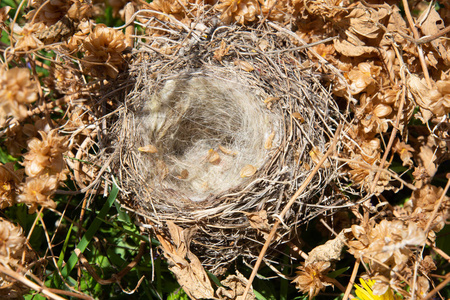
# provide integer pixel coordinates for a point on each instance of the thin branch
(417, 37)
(285, 210)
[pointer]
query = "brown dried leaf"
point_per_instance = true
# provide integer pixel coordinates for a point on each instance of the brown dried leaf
(260, 222)
(248, 171)
(432, 25)
(263, 44)
(271, 99)
(244, 65)
(351, 50)
(4, 13)
(233, 288)
(184, 264)
(222, 51)
(364, 21)
(148, 149)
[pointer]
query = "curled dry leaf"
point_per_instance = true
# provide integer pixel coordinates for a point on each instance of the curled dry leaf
(222, 51)
(12, 240)
(233, 288)
(38, 191)
(45, 155)
(4, 13)
(9, 184)
(404, 150)
(434, 101)
(243, 11)
(148, 149)
(247, 171)
(183, 263)
(260, 222)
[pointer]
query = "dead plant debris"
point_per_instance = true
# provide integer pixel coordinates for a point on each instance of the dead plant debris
(208, 115)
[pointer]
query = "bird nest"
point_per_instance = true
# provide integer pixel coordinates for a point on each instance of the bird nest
(222, 126)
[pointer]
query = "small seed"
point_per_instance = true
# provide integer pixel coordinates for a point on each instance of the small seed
(148, 149)
(248, 171)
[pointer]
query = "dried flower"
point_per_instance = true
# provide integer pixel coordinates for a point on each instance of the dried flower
(311, 278)
(422, 204)
(404, 150)
(9, 181)
(50, 12)
(38, 191)
(4, 14)
(240, 11)
(434, 101)
(12, 240)
(16, 91)
(26, 36)
(104, 48)
(45, 156)
(385, 245)
(363, 77)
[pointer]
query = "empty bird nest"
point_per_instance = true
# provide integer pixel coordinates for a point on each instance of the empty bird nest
(221, 126)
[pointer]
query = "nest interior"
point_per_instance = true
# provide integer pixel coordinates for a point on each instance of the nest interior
(207, 131)
(219, 126)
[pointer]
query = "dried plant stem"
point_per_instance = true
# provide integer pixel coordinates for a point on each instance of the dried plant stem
(115, 278)
(427, 39)
(40, 289)
(438, 288)
(129, 11)
(352, 279)
(285, 210)
(417, 37)
(338, 284)
(438, 205)
(71, 294)
(393, 134)
(439, 251)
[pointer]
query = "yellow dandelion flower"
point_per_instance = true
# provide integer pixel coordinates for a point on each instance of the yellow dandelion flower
(364, 291)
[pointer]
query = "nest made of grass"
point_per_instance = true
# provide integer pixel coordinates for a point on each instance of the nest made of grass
(206, 105)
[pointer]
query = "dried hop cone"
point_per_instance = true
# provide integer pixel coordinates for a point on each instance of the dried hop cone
(16, 91)
(38, 191)
(9, 181)
(104, 48)
(311, 278)
(12, 240)
(45, 156)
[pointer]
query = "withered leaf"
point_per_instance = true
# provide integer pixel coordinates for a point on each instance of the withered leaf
(346, 48)
(187, 268)
(233, 288)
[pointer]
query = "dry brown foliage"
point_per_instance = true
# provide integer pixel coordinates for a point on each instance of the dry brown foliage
(387, 71)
